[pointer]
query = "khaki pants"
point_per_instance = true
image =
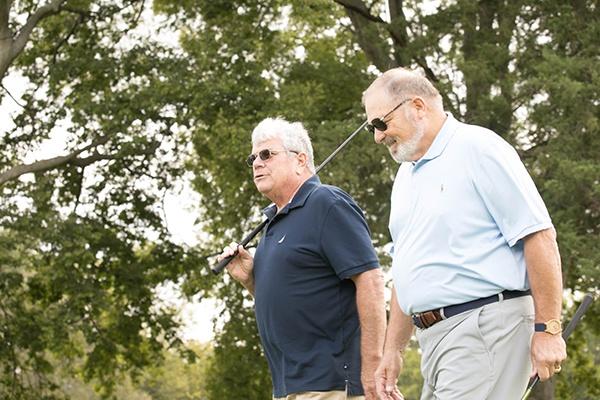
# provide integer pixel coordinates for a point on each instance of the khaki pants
(331, 395)
(482, 354)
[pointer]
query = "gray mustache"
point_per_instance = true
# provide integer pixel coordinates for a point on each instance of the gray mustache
(388, 141)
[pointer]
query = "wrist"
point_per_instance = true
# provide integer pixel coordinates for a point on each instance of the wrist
(551, 327)
(248, 284)
(395, 350)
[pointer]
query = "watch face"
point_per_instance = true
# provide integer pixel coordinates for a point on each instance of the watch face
(553, 326)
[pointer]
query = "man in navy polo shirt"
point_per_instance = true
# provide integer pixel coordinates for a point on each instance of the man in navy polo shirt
(315, 276)
(475, 259)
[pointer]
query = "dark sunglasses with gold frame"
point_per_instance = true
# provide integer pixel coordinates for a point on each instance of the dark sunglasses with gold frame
(379, 123)
(265, 154)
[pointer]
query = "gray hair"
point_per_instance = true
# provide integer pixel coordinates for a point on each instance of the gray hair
(293, 135)
(400, 83)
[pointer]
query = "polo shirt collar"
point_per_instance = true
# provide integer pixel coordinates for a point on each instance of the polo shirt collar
(441, 140)
(297, 201)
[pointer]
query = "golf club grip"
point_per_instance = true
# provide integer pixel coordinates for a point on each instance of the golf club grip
(585, 304)
(223, 263)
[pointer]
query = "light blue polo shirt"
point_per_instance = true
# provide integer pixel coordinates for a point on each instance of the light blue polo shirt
(457, 217)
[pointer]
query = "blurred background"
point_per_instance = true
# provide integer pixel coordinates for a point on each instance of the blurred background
(124, 126)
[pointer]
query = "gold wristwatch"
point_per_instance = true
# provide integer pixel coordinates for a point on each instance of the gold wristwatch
(553, 327)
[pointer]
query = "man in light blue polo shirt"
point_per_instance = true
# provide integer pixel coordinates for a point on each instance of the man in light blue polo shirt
(475, 259)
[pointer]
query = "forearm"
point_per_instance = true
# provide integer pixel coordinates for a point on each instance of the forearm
(400, 328)
(370, 303)
(545, 278)
(544, 271)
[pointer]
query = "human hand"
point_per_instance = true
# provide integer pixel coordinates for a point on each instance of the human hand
(547, 353)
(368, 378)
(241, 266)
(386, 376)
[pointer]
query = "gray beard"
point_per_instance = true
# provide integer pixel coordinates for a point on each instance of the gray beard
(405, 151)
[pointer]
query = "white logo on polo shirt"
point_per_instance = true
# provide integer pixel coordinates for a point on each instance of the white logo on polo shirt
(281, 240)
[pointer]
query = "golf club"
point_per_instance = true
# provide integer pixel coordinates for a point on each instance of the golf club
(585, 304)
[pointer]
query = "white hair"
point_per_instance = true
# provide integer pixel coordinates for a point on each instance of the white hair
(293, 135)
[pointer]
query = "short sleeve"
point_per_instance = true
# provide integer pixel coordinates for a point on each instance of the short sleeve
(507, 190)
(346, 240)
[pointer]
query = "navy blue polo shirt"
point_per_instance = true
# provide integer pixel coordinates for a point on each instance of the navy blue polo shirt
(305, 304)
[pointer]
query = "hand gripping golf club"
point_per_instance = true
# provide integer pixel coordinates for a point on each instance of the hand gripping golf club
(223, 263)
(585, 304)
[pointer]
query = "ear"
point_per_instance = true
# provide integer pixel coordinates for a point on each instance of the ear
(302, 162)
(419, 104)
(421, 107)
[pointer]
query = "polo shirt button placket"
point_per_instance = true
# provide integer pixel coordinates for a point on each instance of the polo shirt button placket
(346, 378)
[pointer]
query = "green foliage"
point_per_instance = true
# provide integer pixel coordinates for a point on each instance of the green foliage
(83, 243)
(564, 130)
(173, 379)
(410, 381)
(238, 367)
(580, 377)
(177, 378)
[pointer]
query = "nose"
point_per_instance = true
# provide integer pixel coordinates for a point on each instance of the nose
(257, 163)
(378, 136)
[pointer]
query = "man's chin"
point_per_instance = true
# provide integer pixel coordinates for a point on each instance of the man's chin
(262, 186)
(395, 156)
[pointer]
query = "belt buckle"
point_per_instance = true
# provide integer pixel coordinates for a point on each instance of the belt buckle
(427, 319)
(417, 321)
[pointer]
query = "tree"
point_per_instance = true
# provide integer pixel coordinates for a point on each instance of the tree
(83, 242)
(176, 378)
(564, 109)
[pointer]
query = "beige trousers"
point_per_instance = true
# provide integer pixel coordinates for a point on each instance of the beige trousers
(482, 354)
(331, 395)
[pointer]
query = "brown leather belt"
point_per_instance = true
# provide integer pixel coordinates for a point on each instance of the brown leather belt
(429, 318)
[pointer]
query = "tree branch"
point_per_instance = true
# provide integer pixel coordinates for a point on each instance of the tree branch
(428, 71)
(64, 40)
(81, 13)
(360, 8)
(84, 162)
(44, 165)
(398, 30)
(5, 37)
(139, 14)
(367, 34)
(11, 96)
(23, 36)
(5, 32)
(55, 162)
(396, 11)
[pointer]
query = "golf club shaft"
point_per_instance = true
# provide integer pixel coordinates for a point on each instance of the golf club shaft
(223, 263)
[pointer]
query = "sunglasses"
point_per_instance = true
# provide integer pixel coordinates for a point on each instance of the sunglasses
(265, 155)
(379, 123)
